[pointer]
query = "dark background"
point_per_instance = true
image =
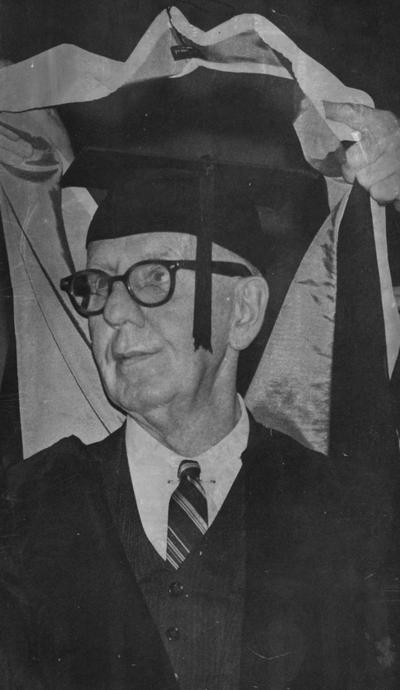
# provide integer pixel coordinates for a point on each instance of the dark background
(357, 39)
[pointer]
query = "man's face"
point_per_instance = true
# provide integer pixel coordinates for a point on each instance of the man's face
(145, 355)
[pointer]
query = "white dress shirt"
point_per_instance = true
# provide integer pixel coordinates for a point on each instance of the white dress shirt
(154, 474)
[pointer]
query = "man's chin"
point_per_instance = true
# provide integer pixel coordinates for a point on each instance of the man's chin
(141, 397)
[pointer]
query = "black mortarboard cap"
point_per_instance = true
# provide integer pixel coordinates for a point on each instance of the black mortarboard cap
(214, 200)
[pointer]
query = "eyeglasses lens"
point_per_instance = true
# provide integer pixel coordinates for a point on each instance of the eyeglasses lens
(150, 283)
(90, 290)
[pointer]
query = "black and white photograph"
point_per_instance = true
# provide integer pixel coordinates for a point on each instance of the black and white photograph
(199, 345)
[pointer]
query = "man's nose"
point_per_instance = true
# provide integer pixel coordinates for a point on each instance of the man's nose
(120, 308)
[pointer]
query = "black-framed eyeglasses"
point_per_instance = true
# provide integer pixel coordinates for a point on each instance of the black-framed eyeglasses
(150, 283)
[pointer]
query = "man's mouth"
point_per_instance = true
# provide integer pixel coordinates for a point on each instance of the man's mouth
(133, 356)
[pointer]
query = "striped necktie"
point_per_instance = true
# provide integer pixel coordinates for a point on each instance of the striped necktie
(187, 514)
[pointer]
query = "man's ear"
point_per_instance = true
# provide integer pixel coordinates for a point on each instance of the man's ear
(251, 299)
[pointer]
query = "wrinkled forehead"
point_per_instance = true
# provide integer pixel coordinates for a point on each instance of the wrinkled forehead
(119, 253)
(124, 251)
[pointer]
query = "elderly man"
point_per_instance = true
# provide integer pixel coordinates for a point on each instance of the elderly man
(192, 548)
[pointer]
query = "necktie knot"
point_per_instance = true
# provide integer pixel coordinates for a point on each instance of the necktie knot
(189, 469)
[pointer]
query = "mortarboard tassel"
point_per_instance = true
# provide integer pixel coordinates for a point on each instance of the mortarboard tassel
(203, 289)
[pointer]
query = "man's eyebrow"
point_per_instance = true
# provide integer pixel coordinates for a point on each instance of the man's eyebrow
(100, 265)
(166, 253)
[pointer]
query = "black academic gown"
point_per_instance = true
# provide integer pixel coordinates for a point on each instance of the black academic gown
(79, 617)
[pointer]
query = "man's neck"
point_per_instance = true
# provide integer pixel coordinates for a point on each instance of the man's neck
(191, 432)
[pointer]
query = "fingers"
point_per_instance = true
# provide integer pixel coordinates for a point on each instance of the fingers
(379, 123)
(386, 190)
(20, 147)
(368, 167)
(13, 149)
(374, 160)
(368, 149)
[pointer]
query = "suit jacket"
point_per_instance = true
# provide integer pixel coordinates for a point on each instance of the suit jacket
(81, 617)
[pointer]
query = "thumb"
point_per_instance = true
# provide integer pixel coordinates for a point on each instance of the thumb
(379, 123)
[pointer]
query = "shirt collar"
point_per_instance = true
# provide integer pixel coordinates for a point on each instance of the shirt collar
(154, 473)
(146, 452)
